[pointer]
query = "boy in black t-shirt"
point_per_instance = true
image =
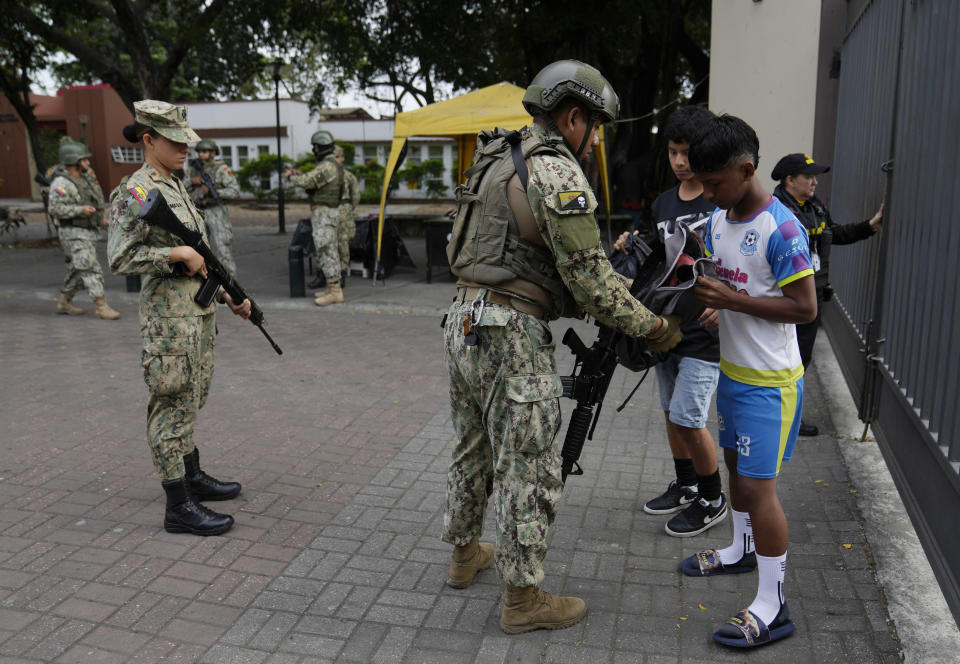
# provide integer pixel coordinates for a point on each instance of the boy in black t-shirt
(688, 376)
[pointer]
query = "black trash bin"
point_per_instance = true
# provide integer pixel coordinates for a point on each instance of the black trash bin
(437, 234)
(295, 263)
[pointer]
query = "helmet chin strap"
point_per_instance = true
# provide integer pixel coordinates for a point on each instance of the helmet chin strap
(552, 124)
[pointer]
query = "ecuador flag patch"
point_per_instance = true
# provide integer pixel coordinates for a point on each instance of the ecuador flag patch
(138, 193)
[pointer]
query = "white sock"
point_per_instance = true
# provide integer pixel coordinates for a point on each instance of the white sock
(771, 570)
(742, 539)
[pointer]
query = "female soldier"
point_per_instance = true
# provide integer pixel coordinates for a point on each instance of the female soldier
(178, 334)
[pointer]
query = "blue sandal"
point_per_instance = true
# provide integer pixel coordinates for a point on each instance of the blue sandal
(707, 563)
(745, 630)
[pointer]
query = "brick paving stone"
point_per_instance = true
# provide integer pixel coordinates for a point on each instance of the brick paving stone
(336, 553)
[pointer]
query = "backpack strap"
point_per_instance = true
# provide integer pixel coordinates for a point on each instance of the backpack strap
(514, 138)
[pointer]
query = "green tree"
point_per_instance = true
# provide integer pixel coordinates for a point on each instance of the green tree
(168, 49)
(20, 58)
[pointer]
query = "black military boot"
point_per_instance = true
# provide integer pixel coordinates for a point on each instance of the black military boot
(185, 515)
(343, 278)
(204, 487)
(319, 281)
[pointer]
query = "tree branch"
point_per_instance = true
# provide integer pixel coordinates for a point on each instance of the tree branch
(92, 59)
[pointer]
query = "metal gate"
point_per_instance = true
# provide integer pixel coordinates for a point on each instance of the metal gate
(894, 322)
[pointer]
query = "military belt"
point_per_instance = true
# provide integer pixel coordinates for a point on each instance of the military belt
(314, 206)
(523, 306)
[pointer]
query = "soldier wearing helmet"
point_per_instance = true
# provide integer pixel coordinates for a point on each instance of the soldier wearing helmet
(76, 205)
(347, 227)
(526, 249)
(178, 333)
(215, 213)
(324, 186)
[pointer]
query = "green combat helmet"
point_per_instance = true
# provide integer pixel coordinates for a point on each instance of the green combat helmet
(71, 153)
(322, 141)
(571, 78)
(207, 144)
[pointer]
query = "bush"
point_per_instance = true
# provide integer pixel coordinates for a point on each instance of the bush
(253, 174)
(429, 173)
(371, 181)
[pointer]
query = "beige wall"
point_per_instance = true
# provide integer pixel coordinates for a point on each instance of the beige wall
(763, 68)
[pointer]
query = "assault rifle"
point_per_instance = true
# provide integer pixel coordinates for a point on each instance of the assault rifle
(592, 370)
(197, 165)
(156, 212)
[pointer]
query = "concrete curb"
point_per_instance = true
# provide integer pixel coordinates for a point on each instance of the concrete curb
(924, 624)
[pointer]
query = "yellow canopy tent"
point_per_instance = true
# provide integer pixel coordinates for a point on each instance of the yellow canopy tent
(462, 118)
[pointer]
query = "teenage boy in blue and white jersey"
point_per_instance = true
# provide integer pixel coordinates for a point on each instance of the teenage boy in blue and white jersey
(764, 287)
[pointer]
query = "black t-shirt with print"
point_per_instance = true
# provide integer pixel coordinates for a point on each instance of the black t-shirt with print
(698, 342)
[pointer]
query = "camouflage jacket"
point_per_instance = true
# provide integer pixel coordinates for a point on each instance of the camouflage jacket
(68, 195)
(563, 205)
(223, 178)
(323, 183)
(138, 248)
(350, 195)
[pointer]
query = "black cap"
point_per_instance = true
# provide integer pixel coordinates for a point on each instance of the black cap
(795, 164)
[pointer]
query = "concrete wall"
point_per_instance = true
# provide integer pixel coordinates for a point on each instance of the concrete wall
(763, 68)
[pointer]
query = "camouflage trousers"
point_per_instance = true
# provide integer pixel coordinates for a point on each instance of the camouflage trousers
(220, 232)
(325, 221)
(83, 267)
(177, 368)
(346, 229)
(506, 413)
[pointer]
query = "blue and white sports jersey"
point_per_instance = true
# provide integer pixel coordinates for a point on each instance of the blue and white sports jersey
(757, 257)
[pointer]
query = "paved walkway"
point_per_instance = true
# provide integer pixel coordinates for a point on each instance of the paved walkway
(342, 445)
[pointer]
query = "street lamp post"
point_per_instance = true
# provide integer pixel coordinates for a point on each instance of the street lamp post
(277, 64)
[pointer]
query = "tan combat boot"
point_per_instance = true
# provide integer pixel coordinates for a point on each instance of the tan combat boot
(104, 311)
(334, 295)
(467, 561)
(529, 608)
(320, 293)
(65, 305)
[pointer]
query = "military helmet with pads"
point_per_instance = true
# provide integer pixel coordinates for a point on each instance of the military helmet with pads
(207, 144)
(322, 138)
(71, 152)
(571, 78)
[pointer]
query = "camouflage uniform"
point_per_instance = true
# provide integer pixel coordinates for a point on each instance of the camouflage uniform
(78, 232)
(504, 390)
(323, 184)
(178, 334)
(216, 216)
(347, 226)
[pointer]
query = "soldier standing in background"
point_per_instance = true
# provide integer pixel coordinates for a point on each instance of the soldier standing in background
(324, 185)
(347, 228)
(215, 212)
(178, 334)
(76, 204)
(499, 350)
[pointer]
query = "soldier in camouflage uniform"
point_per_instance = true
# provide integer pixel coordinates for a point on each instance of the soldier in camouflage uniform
(526, 250)
(178, 334)
(347, 228)
(77, 207)
(324, 184)
(216, 215)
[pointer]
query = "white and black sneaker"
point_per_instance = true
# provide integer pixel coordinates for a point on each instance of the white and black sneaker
(698, 517)
(674, 499)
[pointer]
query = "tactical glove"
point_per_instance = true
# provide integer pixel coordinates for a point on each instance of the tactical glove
(667, 336)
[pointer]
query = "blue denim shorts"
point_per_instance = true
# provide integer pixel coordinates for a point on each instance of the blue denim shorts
(686, 387)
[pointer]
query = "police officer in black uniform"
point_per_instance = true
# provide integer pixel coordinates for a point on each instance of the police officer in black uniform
(797, 174)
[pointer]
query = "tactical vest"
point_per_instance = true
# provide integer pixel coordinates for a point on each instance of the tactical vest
(485, 245)
(87, 197)
(330, 193)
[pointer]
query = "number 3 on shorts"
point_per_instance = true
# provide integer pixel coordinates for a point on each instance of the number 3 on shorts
(743, 445)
